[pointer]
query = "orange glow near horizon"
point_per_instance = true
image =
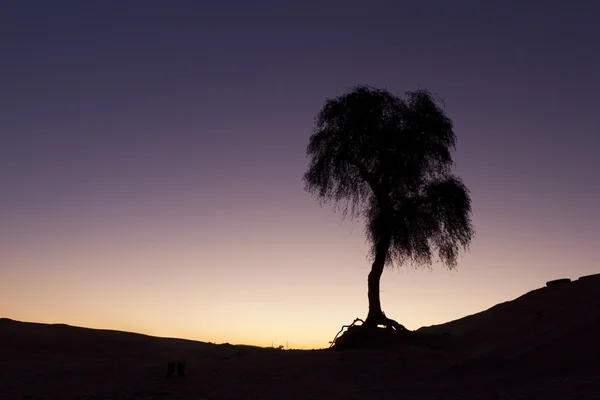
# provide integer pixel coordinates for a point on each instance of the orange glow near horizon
(296, 285)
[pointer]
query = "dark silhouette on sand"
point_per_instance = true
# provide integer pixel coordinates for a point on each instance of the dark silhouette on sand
(542, 345)
(388, 161)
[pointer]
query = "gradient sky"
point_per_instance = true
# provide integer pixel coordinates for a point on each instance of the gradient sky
(151, 155)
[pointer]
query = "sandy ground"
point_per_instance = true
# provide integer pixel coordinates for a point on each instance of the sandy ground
(543, 345)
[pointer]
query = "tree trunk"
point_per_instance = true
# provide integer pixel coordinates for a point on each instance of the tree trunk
(376, 316)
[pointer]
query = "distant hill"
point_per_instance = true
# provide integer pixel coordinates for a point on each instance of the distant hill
(66, 340)
(563, 320)
(560, 323)
(542, 345)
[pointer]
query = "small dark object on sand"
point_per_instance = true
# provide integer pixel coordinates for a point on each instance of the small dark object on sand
(557, 282)
(176, 369)
(181, 369)
(170, 369)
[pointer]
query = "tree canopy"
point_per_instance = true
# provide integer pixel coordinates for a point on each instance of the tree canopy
(388, 161)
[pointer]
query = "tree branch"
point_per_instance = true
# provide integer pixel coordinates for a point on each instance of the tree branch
(379, 187)
(369, 177)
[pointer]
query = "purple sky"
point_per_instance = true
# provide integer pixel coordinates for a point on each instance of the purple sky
(151, 155)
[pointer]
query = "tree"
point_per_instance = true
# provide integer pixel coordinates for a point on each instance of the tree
(388, 161)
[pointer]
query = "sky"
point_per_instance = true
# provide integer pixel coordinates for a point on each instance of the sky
(151, 156)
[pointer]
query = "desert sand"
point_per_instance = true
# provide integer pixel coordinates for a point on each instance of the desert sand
(543, 345)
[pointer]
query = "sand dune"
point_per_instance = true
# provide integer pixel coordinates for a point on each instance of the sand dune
(561, 320)
(543, 345)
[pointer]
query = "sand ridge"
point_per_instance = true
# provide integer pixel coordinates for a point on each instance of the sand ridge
(542, 345)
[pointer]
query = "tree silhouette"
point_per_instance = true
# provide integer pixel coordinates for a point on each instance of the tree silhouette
(388, 161)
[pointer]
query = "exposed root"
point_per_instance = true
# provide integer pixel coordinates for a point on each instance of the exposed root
(369, 334)
(380, 332)
(332, 343)
(390, 323)
(381, 319)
